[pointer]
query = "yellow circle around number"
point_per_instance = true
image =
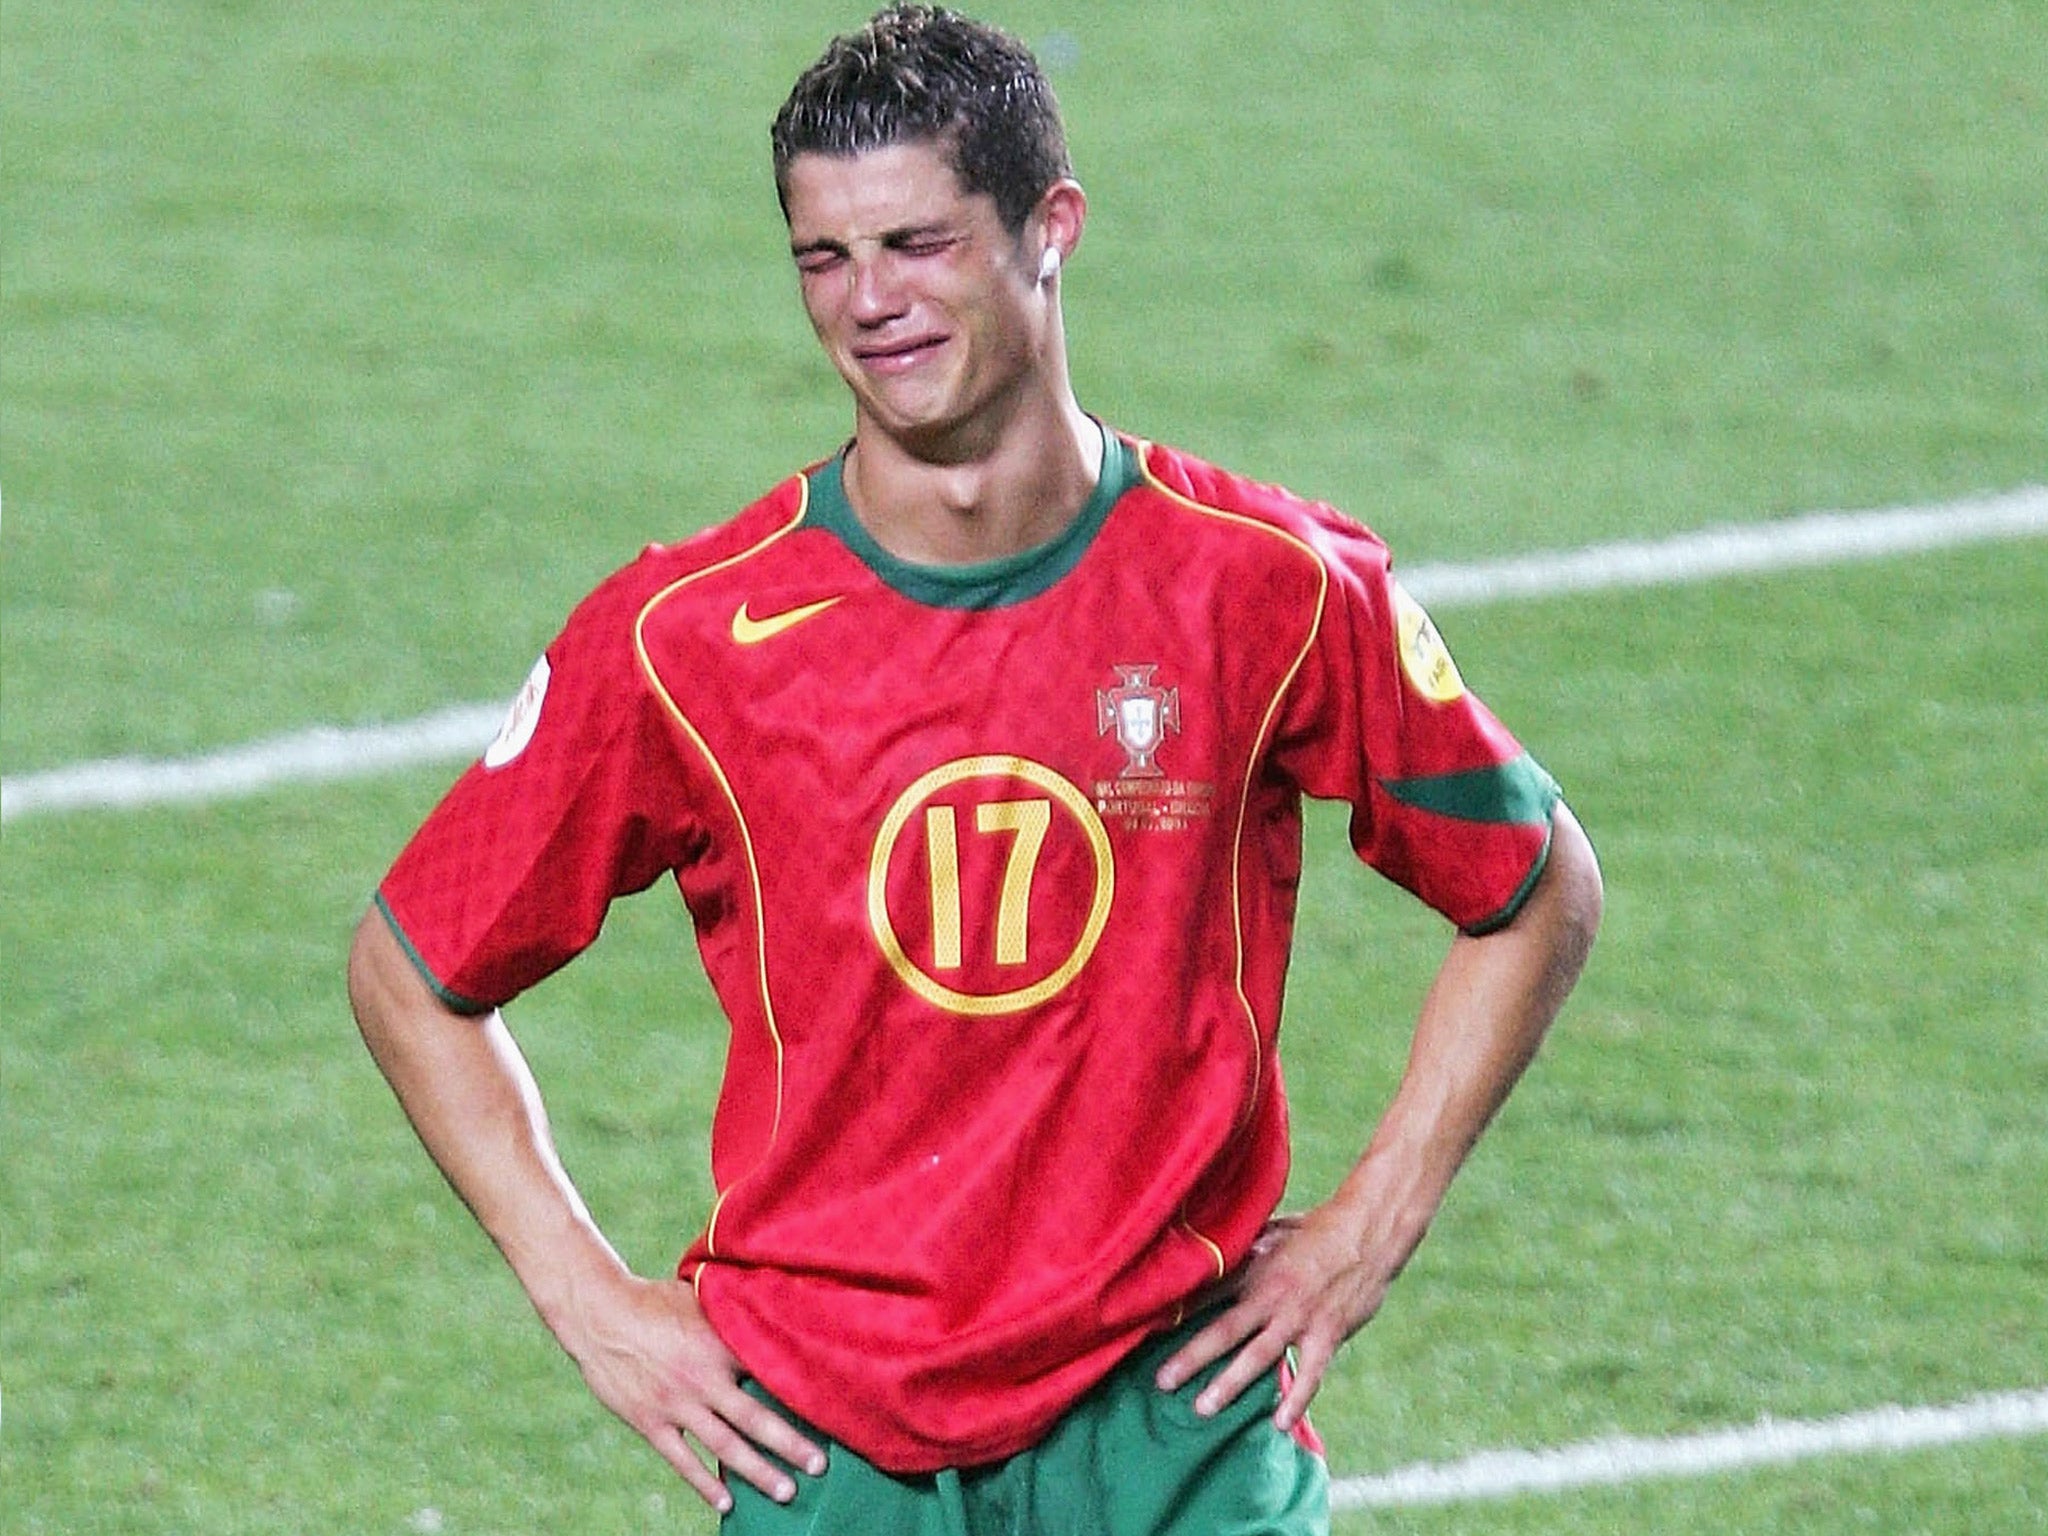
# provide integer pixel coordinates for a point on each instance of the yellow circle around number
(990, 1004)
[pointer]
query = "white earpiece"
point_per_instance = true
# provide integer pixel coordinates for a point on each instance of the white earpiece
(1049, 264)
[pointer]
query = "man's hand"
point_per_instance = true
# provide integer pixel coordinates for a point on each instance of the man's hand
(1306, 1287)
(648, 1354)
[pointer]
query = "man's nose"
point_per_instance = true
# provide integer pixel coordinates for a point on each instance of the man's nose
(877, 287)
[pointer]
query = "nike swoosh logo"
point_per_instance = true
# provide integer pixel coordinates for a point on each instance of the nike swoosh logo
(748, 630)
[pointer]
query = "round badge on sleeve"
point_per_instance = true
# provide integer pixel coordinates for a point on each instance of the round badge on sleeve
(1424, 656)
(522, 720)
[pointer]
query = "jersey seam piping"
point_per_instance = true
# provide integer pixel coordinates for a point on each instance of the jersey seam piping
(1245, 789)
(703, 747)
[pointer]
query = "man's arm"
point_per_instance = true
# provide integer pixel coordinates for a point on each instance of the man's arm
(644, 1347)
(1316, 1280)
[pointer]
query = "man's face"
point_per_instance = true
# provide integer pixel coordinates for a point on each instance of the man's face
(918, 293)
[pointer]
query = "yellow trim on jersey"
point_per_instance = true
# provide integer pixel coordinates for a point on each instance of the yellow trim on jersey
(739, 818)
(1258, 748)
(1215, 1252)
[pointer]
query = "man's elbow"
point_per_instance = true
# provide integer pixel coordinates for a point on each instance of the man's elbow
(1576, 894)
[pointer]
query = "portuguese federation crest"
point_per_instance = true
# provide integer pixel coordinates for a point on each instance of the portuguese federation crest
(1141, 715)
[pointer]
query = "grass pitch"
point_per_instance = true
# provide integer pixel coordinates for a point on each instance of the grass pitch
(346, 348)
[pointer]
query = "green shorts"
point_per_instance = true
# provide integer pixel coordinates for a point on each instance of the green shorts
(1126, 1460)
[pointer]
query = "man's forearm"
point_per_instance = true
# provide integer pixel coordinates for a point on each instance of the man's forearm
(1487, 1012)
(644, 1347)
(470, 1096)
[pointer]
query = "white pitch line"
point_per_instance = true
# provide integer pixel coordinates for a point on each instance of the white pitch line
(1819, 538)
(319, 755)
(1625, 1459)
(326, 754)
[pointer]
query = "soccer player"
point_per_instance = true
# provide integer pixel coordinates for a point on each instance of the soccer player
(976, 751)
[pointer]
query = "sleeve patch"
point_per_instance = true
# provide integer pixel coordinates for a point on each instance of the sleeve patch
(522, 720)
(1424, 656)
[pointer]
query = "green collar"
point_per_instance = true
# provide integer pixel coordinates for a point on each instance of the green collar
(986, 583)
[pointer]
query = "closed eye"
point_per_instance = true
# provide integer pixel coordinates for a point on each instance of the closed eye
(922, 242)
(824, 256)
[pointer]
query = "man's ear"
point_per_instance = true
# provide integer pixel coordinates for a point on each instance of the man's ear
(1059, 217)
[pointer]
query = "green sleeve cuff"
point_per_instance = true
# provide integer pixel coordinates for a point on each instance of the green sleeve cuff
(1520, 899)
(453, 999)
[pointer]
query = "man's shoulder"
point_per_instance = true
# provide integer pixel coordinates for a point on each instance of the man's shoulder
(1318, 527)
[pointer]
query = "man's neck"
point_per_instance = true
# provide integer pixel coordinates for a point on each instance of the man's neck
(1022, 491)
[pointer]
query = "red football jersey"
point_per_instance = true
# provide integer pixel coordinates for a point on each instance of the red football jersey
(993, 869)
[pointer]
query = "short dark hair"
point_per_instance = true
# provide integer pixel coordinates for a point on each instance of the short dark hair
(921, 74)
